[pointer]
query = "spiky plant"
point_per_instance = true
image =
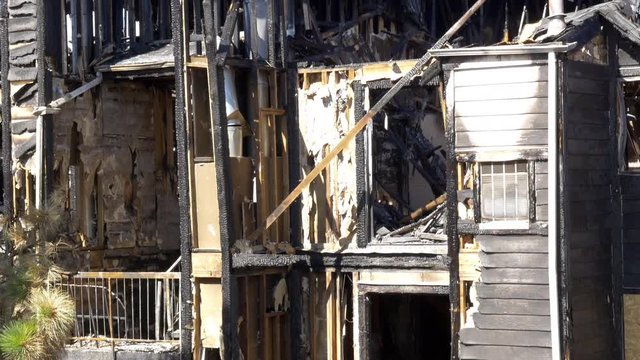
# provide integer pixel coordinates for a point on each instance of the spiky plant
(38, 318)
(20, 340)
(54, 314)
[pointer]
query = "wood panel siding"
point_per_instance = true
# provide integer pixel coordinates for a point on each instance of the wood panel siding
(541, 190)
(501, 110)
(630, 189)
(511, 315)
(588, 207)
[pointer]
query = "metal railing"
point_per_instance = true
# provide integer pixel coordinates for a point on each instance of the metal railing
(125, 306)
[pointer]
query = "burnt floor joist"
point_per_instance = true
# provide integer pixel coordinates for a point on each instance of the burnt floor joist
(343, 262)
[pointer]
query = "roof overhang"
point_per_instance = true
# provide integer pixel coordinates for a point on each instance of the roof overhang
(505, 50)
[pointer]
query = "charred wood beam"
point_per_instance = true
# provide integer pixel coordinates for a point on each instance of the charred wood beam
(227, 33)
(413, 159)
(223, 181)
(363, 186)
(271, 36)
(347, 262)
(472, 228)
(7, 175)
(182, 146)
(197, 24)
(452, 227)
(395, 196)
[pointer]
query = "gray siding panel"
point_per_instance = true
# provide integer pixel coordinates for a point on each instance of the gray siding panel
(541, 171)
(501, 122)
(472, 336)
(511, 244)
(504, 352)
(510, 291)
(504, 109)
(512, 310)
(502, 75)
(512, 322)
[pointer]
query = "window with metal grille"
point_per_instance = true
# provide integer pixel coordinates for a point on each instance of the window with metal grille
(504, 191)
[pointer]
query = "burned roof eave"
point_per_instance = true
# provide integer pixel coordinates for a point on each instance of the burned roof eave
(505, 50)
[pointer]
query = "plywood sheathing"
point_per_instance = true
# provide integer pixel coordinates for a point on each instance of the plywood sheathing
(329, 204)
(632, 327)
(124, 153)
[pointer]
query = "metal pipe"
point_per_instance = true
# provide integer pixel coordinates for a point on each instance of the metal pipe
(556, 17)
(552, 138)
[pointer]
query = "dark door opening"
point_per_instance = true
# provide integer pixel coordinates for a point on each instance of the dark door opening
(409, 326)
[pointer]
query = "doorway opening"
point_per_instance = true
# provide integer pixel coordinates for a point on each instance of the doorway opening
(409, 326)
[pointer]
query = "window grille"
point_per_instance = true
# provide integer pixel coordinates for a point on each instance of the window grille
(504, 191)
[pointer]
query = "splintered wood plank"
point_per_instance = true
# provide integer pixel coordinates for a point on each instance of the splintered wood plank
(266, 321)
(339, 316)
(330, 315)
(285, 173)
(263, 174)
(252, 312)
(206, 264)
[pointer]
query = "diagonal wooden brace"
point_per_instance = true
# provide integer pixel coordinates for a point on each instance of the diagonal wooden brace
(425, 60)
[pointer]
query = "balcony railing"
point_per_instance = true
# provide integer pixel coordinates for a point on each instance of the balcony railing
(131, 306)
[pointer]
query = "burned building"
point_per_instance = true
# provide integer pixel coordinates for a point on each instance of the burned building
(333, 179)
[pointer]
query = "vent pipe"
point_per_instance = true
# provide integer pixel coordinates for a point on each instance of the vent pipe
(556, 17)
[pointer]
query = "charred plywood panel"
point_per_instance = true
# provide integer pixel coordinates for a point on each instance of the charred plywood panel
(500, 109)
(114, 156)
(630, 190)
(326, 114)
(589, 207)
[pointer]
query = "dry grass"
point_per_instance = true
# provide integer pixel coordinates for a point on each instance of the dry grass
(54, 314)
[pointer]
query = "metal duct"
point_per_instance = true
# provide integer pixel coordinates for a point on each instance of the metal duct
(556, 17)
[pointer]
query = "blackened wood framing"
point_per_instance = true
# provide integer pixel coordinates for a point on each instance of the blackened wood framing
(217, 104)
(452, 219)
(182, 146)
